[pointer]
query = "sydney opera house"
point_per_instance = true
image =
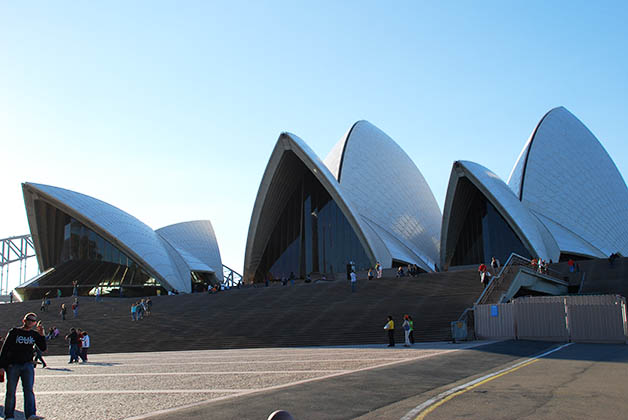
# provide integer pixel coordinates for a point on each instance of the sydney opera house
(367, 202)
(79, 239)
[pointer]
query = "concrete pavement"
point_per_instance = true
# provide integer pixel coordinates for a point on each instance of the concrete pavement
(362, 382)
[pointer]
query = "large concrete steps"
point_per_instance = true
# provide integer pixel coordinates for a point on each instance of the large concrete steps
(323, 313)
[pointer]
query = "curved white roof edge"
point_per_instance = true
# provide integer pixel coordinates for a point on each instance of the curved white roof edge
(516, 174)
(388, 189)
(124, 231)
(532, 233)
(255, 244)
(569, 242)
(196, 242)
(335, 158)
(566, 175)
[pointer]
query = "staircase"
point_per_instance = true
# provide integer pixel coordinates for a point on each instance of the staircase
(306, 314)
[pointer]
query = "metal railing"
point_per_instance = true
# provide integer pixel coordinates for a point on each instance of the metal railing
(498, 282)
(507, 272)
(231, 278)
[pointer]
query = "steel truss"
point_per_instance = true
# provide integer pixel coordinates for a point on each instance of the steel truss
(16, 249)
(230, 277)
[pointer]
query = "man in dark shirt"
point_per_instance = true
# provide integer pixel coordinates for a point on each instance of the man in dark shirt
(73, 339)
(16, 359)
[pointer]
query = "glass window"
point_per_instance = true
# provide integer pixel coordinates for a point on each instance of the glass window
(311, 235)
(484, 232)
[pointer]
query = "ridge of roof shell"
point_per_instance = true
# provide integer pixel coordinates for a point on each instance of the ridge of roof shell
(533, 234)
(133, 236)
(565, 175)
(334, 158)
(374, 172)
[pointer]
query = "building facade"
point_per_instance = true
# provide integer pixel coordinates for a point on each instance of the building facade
(565, 199)
(84, 241)
(366, 203)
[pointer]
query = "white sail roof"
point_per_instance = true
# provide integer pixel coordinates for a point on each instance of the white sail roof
(196, 242)
(532, 233)
(389, 193)
(156, 254)
(565, 176)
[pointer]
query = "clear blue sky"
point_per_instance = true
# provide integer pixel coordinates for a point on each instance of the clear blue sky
(170, 110)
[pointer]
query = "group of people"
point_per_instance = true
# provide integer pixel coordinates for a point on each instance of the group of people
(412, 270)
(485, 274)
(140, 309)
(79, 342)
(408, 330)
(540, 265)
(63, 310)
(53, 332)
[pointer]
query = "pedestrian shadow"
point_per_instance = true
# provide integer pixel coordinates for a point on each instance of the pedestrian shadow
(19, 415)
(101, 364)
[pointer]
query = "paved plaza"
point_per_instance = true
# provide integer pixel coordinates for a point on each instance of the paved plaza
(127, 385)
(363, 382)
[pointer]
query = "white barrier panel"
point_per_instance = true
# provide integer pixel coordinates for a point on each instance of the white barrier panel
(596, 323)
(494, 321)
(541, 321)
(595, 319)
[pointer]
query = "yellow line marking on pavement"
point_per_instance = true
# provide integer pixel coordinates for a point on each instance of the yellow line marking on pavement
(430, 405)
(444, 400)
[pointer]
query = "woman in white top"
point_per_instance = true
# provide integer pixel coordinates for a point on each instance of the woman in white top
(84, 346)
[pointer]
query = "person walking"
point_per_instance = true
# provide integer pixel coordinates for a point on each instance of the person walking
(411, 329)
(63, 311)
(406, 330)
(39, 357)
(149, 305)
(390, 327)
(85, 342)
(16, 359)
(495, 265)
(483, 277)
(354, 280)
(370, 274)
(73, 340)
(378, 268)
